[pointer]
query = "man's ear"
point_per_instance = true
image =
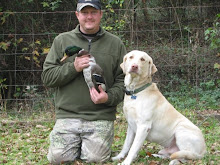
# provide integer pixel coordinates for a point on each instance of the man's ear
(77, 14)
(101, 12)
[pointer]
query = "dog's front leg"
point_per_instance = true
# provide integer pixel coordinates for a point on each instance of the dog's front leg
(127, 144)
(141, 134)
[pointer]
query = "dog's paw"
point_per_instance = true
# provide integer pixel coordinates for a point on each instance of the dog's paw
(160, 156)
(125, 163)
(114, 158)
(174, 162)
(118, 157)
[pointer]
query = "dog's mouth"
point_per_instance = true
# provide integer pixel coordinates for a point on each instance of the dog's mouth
(133, 72)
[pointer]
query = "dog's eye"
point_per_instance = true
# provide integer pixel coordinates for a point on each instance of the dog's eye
(142, 59)
(149, 62)
(131, 57)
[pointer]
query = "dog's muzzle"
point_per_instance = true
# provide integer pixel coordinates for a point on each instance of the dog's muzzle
(134, 68)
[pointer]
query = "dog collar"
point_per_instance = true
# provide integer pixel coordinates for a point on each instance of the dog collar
(136, 91)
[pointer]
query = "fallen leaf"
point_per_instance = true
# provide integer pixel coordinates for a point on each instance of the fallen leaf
(38, 42)
(40, 126)
(149, 154)
(46, 50)
(153, 163)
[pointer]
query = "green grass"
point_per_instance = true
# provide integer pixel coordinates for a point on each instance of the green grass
(24, 142)
(24, 139)
(24, 135)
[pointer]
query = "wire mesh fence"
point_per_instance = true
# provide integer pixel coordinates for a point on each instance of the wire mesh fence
(172, 35)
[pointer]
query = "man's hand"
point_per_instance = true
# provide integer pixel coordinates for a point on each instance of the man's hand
(98, 98)
(81, 62)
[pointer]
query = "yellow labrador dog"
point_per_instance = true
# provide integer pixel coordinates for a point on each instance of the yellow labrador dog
(150, 116)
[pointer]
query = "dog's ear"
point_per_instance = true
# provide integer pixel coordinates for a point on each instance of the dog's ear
(122, 65)
(153, 69)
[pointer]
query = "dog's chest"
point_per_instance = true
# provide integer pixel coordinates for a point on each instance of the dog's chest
(134, 109)
(131, 115)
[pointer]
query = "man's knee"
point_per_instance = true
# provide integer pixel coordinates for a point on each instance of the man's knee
(99, 155)
(98, 158)
(57, 156)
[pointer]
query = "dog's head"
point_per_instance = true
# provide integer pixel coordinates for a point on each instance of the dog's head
(138, 63)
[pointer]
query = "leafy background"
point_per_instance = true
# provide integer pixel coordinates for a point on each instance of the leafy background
(182, 37)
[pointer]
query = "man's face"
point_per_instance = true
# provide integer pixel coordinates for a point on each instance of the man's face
(89, 19)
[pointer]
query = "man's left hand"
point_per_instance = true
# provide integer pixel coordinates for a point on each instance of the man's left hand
(98, 98)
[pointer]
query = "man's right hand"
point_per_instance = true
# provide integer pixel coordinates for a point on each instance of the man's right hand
(81, 62)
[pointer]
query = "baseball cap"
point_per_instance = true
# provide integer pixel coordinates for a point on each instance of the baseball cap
(83, 3)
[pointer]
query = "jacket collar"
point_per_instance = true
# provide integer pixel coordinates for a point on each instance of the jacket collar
(99, 34)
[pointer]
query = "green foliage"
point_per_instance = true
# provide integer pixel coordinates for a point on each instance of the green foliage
(35, 48)
(3, 87)
(39, 50)
(12, 42)
(116, 2)
(51, 4)
(111, 22)
(31, 92)
(18, 92)
(209, 95)
(205, 96)
(212, 34)
(2, 82)
(4, 16)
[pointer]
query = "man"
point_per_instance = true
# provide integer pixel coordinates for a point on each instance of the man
(84, 127)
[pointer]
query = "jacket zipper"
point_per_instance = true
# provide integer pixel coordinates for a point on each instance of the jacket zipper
(89, 46)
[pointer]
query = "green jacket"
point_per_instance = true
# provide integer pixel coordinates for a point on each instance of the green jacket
(72, 97)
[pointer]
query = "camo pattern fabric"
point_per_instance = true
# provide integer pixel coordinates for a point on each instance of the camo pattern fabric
(76, 138)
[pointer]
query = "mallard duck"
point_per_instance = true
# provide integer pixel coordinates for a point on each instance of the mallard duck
(93, 74)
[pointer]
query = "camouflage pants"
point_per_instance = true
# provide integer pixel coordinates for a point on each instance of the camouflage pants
(76, 138)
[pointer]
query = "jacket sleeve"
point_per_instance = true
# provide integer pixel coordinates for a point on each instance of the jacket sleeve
(116, 92)
(54, 73)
